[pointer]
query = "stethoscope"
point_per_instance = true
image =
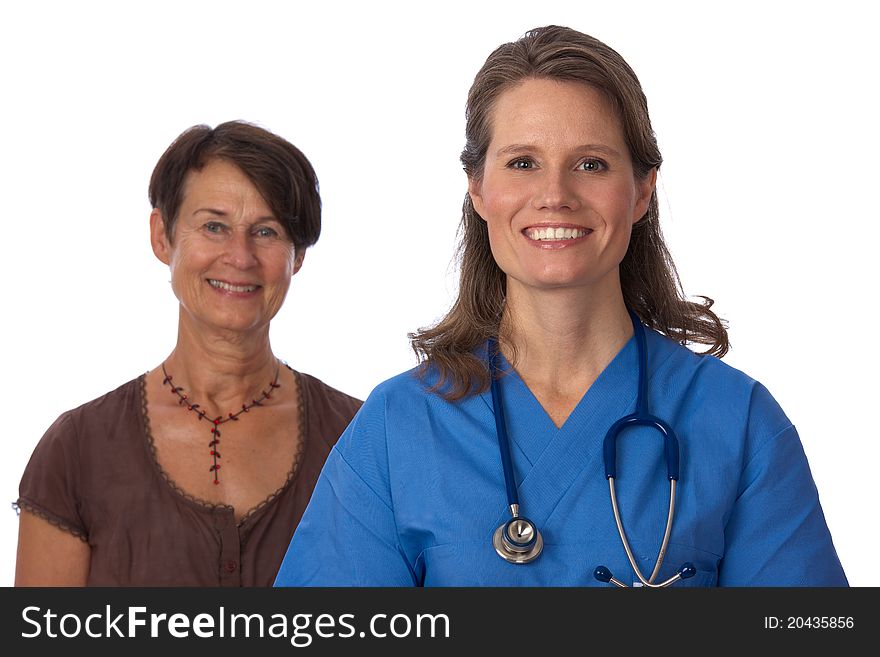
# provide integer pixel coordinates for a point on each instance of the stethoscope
(519, 541)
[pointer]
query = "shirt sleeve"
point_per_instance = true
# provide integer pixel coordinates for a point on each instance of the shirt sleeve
(348, 534)
(776, 534)
(49, 487)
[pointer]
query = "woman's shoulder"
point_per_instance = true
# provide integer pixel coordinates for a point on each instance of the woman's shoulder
(330, 396)
(414, 381)
(85, 433)
(411, 388)
(714, 383)
(107, 407)
(82, 438)
(669, 357)
(328, 411)
(408, 390)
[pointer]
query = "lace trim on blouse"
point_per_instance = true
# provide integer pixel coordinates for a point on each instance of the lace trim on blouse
(50, 518)
(291, 475)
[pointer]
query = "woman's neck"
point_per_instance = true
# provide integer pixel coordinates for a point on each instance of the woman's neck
(561, 340)
(220, 369)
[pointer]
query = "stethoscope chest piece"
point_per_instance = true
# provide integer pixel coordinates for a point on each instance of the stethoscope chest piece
(518, 540)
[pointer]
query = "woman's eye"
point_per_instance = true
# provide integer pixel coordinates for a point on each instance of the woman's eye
(213, 227)
(265, 232)
(592, 165)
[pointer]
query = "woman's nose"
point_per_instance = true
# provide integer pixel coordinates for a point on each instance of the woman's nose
(241, 250)
(557, 191)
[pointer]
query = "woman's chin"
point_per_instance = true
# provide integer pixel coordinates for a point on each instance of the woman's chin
(231, 323)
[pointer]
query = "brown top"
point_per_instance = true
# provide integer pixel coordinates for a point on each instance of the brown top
(94, 473)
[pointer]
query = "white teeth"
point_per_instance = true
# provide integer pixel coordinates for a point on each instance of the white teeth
(231, 288)
(556, 233)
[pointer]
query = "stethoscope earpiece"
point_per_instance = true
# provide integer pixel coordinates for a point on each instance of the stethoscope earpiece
(686, 571)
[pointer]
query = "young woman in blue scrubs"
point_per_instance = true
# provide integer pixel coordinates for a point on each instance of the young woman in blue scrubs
(561, 241)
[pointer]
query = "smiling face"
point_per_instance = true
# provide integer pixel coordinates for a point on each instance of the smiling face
(557, 190)
(231, 261)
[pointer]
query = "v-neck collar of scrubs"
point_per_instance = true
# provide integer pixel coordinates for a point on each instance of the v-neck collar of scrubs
(547, 459)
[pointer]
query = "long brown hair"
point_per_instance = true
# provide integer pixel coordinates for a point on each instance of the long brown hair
(649, 280)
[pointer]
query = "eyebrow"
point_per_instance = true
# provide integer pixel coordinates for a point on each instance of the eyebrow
(220, 213)
(214, 211)
(514, 149)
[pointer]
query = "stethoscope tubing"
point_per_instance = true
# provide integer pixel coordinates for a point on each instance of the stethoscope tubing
(517, 540)
(501, 428)
(514, 550)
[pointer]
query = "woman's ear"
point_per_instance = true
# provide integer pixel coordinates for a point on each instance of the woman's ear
(159, 238)
(475, 191)
(645, 189)
(298, 260)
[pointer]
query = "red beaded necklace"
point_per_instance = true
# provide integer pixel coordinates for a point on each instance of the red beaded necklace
(184, 400)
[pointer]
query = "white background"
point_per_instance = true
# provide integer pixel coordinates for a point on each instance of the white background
(765, 113)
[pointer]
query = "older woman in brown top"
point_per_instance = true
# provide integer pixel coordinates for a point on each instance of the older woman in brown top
(197, 472)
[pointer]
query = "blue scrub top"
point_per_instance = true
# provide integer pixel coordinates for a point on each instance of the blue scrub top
(414, 489)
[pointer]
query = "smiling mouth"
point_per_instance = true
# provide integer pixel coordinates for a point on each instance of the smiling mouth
(229, 287)
(555, 233)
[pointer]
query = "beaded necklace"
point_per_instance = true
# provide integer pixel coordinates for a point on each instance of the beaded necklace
(184, 400)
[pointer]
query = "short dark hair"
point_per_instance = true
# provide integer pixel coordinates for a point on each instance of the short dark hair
(278, 169)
